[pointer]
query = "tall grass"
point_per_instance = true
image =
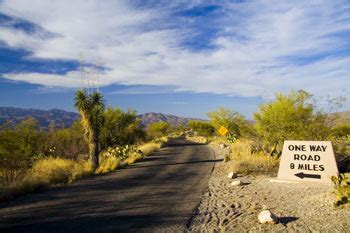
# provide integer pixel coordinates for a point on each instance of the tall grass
(246, 160)
(45, 173)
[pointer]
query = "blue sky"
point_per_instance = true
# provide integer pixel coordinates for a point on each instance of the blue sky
(179, 57)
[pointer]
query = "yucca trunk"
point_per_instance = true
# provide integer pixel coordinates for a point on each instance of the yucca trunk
(95, 149)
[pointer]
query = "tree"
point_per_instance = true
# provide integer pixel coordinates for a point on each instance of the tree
(67, 142)
(120, 128)
(291, 117)
(231, 120)
(158, 129)
(341, 131)
(91, 108)
(202, 128)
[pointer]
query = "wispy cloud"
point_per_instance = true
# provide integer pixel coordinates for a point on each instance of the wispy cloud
(257, 47)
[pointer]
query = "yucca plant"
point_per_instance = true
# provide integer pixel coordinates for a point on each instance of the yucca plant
(91, 108)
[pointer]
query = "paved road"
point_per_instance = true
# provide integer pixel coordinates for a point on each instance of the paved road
(157, 194)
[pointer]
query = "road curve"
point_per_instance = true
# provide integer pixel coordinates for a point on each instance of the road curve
(159, 193)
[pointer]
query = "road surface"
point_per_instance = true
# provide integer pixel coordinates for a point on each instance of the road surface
(159, 193)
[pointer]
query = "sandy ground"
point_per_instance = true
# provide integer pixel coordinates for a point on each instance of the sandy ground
(301, 207)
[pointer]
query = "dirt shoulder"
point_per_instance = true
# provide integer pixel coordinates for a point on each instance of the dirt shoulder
(303, 207)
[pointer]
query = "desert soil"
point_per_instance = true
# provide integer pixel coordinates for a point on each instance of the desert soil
(302, 207)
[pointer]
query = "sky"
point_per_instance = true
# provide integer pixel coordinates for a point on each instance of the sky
(177, 57)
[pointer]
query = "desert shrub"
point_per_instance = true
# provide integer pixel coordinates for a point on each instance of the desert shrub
(341, 147)
(202, 128)
(24, 141)
(158, 129)
(341, 189)
(120, 128)
(198, 139)
(291, 117)
(120, 152)
(231, 120)
(341, 131)
(247, 159)
(108, 163)
(67, 142)
(150, 147)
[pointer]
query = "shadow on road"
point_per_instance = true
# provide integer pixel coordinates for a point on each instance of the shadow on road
(169, 164)
(140, 199)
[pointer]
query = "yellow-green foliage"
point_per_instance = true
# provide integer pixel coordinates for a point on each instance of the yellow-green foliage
(198, 139)
(116, 157)
(50, 171)
(45, 173)
(342, 189)
(149, 148)
(133, 158)
(247, 160)
(108, 163)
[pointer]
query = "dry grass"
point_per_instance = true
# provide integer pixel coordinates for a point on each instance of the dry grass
(107, 164)
(246, 161)
(149, 148)
(198, 139)
(45, 173)
(51, 171)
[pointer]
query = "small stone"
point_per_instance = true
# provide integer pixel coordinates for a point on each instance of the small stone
(232, 175)
(222, 146)
(267, 216)
(236, 183)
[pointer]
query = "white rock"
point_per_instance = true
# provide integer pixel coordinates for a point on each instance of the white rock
(267, 216)
(236, 183)
(222, 146)
(232, 175)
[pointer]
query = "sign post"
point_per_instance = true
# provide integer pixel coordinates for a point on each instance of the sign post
(307, 161)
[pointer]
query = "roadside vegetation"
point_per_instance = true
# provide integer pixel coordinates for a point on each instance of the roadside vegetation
(255, 147)
(102, 141)
(105, 139)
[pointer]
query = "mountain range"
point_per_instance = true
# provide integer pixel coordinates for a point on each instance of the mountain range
(61, 118)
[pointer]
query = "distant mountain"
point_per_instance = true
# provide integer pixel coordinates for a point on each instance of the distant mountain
(63, 118)
(59, 117)
(152, 117)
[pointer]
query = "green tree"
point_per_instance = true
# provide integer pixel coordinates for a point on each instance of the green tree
(91, 108)
(291, 117)
(120, 128)
(158, 129)
(233, 121)
(20, 144)
(341, 131)
(202, 128)
(67, 142)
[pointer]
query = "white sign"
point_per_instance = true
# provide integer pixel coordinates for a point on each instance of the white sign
(307, 161)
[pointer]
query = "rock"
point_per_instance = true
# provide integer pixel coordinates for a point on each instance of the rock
(232, 175)
(236, 183)
(266, 216)
(223, 146)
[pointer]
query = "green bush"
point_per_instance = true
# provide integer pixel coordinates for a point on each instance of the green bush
(158, 129)
(341, 131)
(120, 128)
(341, 189)
(231, 120)
(67, 142)
(290, 117)
(202, 128)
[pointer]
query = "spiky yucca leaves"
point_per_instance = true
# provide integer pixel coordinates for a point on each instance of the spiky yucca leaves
(91, 108)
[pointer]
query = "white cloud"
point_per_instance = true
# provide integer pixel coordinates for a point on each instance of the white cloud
(257, 53)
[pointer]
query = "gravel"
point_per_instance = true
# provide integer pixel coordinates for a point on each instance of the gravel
(304, 207)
